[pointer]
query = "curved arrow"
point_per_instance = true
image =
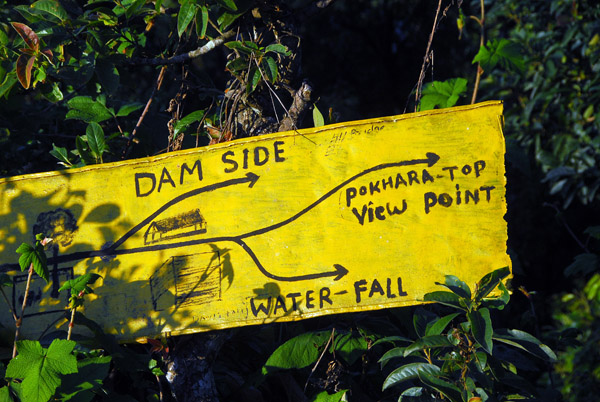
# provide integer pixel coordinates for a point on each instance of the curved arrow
(339, 271)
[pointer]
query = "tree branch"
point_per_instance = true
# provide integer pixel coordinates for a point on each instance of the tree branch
(182, 58)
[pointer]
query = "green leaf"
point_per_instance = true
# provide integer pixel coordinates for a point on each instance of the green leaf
(409, 372)
(244, 47)
(85, 384)
(498, 302)
(237, 64)
(583, 265)
(185, 16)
(253, 83)
(457, 286)
(350, 347)
(83, 151)
(33, 255)
(318, 119)
(41, 369)
(526, 342)
(202, 22)
(52, 8)
(481, 327)
(226, 19)
(392, 339)
(298, 352)
(593, 231)
(230, 4)
(503, 51)
(133, 8)
(449, 390)
(54, 94)
(126, 110)
(9, 81)
(325, 397)
(489, 282)
(445, 298)
(427, 342)
(185, 122)
(61, 154)
(391, 354)
(95, 140)
(87, 109)
(442, 93)
(270, 68)
(438, 326)
(278, 48)
(80, 284)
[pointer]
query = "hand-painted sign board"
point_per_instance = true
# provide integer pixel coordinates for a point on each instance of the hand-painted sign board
(348, 217)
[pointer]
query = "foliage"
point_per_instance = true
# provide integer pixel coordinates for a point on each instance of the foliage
(34, 256)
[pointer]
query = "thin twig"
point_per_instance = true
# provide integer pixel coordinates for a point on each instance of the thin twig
(182, 58)
(20, 320)
(481, 22)
(427, 56)
(156, 88)
(10, 307)
(320, 357)
(71, 323)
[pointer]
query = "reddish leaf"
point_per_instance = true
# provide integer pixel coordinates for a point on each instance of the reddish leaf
(24, 67)
(30, 37)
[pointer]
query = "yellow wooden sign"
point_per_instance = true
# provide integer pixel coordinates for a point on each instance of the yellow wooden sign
(348, 217)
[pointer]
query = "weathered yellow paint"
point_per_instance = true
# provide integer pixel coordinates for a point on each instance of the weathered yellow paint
(349, 217)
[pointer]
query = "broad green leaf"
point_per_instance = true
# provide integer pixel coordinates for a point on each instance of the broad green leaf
(84, 385)
(350, 347)
(457, 286)
(9, 81)
(126, 110)
(409, 372)
(80, 284)
(133, 8)
(226, 19)
(445, 298)
(422, 317)
(442, 93)
(278, 48)
(451, 391)
(254, 80)
(54, 94)
(500, 301)
(95, 140)
(83, 151)
(238, 64)
(526, 342)
(392, 339)
(325, 397)
(87, 109)
(489, 282)
(318, 119)
(51, 7)
(270, 68)
(5, 394)
(503, 51)
(186, 15)
(298, 352)
(413, 394)
(481, 327)
(583, 265)
(61, 154)
(33, 255)
(186, 121)
(243, 47)
(438, 326)
(427, 342)
(40, 368)
(202, 22)
(230, 4)
(390, 354)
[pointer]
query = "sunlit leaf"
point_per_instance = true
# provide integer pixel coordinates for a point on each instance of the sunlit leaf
(409, 372)
(186, 121)
(80, 284)
(503, 51)
(526, 342)
(457, 286)
(126, 110)
(451, 391)
(298, 352)
(489, 282)
(51, 7)
(443, 297)
(24, 67)
(230, 4)
(95, 139)
(442, 93)
(278, 48)
(270, 68)
(438, 326)
(202, 22)
(28, 35)
(324, 396)
(185, 16)
(61, 154)
(33, 255)
(318, 119)
(87, 109)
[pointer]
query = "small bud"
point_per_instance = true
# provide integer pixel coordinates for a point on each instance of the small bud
(45, 241)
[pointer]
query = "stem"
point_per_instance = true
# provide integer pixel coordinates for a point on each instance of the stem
(20, 320)
(10, 307)
(427, 56)
(320, 357)
(481, 22)
(71, 323)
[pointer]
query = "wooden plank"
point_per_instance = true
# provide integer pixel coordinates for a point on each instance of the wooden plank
(350, 217)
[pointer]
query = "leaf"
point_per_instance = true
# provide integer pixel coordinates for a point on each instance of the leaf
(583, 264)
(230, 4)
(87, 109)
(186, 121)
(500, 301)
(526, 342)
(350, 347)
(80, 284)
(427, 342)
(593, 231)
(445, 298)
(29, 37)
(503, 51)
(439, 325)
(253, 83)
(241, 46)
(226, 19)
(318, 119)
(84, 385)
(126, 110)
(450, 390)
(83, 151)
(489, 282)
(325, 397)
(33, 255)
(185, 16)
(202, 22)
(392, 339)
(24, 67)
(61, 154)
(409, 372)
(95, 140)
(237, 64)
(9, 81)
(55, 94)
(51, 7)
(278, 48)
(442, 93)
(298, 352)
(270, 67)
(457, 286)
(391, 354)
(481, 327)
(133, 8)
(40, 368)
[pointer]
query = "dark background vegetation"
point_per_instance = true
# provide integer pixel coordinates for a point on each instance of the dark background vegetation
(363, 60)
